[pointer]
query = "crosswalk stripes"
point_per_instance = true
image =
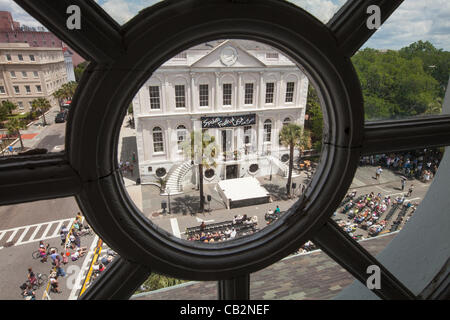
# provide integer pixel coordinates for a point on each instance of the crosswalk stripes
(40, 231)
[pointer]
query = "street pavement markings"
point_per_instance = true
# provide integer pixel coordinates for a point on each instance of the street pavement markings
(21, 233)
(84, 269)
(175, 228)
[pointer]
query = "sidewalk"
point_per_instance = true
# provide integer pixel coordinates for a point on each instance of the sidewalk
(34, 129)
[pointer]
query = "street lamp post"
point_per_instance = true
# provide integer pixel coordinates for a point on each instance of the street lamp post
(168, 200)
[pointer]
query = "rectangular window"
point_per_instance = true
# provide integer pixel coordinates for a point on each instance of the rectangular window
(158, 144)
(13, 74)
(32, 57)
(267, 132)
(180, 96)
(2, 89)
(20, 57)
(272, 55)
(28, 89)
(270, 89)
(24, 74)
(154, 97)
(38, 89)
(247, 134)
(16, 89)
(8, 57)
(204, 95)
(20, 104)
(290, 91)
(227, 94)
(36, 74)
(248, 99)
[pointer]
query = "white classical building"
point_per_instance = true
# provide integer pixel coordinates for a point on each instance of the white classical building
(239, 91)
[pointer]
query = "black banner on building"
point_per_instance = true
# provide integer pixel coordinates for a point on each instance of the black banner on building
(228, 121)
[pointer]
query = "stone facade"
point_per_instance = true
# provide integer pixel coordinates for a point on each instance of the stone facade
(27, 73)
(242, 90)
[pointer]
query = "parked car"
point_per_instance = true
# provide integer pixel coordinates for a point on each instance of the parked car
(61, 117)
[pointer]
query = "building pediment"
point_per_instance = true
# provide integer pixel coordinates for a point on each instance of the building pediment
(228, 54)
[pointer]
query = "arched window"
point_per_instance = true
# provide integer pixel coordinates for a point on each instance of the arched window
(267, 130)
(158, 141)
(286, 121)
(181, 136)
(290, 88)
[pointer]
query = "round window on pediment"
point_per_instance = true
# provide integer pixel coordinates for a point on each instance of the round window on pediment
(228, 56)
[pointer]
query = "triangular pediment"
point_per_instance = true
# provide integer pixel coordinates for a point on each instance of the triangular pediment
(228, 54)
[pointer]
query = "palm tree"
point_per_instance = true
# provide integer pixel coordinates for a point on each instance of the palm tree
(41, 105)
(290, 136)
(9, 106)
(305, 142)
(59, 95)
(203, 153)
(14, 125)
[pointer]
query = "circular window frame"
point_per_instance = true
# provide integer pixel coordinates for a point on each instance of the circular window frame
(253, 172)
(93, 152)
(163, 175)
(283, 156)
(211, 177)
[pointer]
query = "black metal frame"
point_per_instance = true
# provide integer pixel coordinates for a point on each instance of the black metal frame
(124, 57)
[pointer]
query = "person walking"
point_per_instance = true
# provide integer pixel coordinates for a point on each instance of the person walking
(378, 172)
(403, 184)
(58, 264)
(411, 188)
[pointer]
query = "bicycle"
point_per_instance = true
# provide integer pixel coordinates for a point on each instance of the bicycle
(40, 280)
(37, 254)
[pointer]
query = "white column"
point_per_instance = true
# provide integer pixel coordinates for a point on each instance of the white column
(216, 93)
(238, 91)
(191, 108)
(166, 107)
(261, 91)
(168, 141)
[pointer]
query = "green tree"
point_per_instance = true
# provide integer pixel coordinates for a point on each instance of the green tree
(201, 148)
(41, 105)
(291, 136)
(157, 281)
(59, 95)
(393, 86)
(79, 70)
(315, 118)
(14, 126)
(436, 62)
(6, 109)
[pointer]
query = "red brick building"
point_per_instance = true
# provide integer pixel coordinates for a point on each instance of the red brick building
(12, 32)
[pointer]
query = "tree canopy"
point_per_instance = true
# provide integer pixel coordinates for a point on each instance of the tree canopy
(408, 82)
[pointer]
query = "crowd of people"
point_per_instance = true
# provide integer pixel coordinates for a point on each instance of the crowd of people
(228, 230)
(128, 166)
(70, 241)
(367, 210)
(421, 164)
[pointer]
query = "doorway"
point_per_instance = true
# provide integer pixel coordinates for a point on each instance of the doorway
(232, 171)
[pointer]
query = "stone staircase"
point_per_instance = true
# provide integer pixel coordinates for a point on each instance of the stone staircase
(283, 167)
(174, 184)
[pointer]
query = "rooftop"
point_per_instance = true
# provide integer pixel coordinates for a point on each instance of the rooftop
(310, 276)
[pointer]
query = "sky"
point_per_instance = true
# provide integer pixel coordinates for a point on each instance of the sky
(427, 20)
